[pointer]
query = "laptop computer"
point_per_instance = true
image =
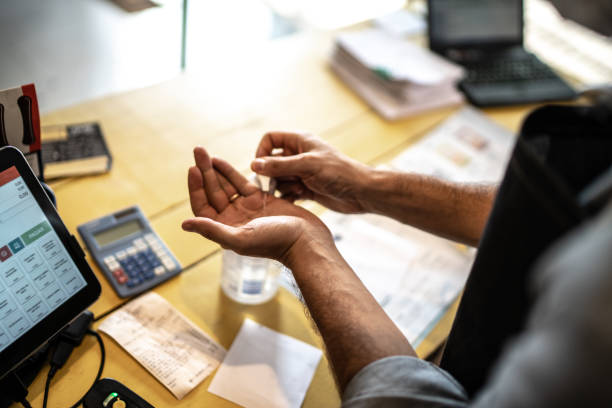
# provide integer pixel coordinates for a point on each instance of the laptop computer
(486, 37)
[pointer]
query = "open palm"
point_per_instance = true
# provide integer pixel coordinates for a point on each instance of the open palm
(230, 210)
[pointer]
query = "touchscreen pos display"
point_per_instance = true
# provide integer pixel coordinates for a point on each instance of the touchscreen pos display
(41, 286)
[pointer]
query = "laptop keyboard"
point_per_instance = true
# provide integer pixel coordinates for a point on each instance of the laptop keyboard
(508, 70)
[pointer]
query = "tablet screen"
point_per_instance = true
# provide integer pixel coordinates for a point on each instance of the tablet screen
(37, 274)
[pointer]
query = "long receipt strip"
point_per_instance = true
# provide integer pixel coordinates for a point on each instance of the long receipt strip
(178, 353)
(266, 369)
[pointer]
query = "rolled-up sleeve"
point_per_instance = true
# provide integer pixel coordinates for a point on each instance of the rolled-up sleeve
(403, 381)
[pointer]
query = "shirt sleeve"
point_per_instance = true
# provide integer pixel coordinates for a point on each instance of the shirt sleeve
(403, 381)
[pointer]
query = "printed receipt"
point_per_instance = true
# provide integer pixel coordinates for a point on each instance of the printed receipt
(165, 342)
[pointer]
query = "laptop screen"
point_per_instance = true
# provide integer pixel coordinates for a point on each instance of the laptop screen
(475, 23)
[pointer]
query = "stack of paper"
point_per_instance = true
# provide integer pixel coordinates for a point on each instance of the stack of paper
(395, 77)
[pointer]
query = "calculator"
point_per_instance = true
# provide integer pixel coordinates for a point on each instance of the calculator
(130, 254)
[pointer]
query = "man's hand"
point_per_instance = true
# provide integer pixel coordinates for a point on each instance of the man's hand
(230, 210)
(309, 168)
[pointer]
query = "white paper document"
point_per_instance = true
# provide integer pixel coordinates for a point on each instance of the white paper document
(265, 369)
(177, 352)
(413, 275)
(467, 147)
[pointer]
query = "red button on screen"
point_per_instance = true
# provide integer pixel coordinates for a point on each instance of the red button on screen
(5, 253)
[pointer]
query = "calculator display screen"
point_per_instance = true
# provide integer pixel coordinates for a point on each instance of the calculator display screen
(114, 234)
(37, 274)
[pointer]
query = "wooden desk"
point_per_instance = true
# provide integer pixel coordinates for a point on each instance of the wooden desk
(227, 108)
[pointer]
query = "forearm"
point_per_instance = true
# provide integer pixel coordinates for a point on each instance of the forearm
(354, 327)
(452, 210)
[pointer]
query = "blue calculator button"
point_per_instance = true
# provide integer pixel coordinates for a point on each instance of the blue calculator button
(131, 283)
(149, 275)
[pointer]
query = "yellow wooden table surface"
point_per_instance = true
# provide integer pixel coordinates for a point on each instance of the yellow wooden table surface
(227, 108)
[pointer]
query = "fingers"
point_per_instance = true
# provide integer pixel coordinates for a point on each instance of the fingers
(237, 180)
(287, 141)
(228, 187)
(300, 165)
(215, 195)
(197, 195)
(225, 235)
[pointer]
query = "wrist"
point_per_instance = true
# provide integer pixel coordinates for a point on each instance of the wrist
(313, 244)
(371, 185)
(359, 185)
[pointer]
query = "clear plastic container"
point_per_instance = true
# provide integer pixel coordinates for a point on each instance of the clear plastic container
(249, 280)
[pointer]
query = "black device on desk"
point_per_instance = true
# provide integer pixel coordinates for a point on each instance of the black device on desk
(109, 393)
(129, 252)
(45, 281)
(486, 37)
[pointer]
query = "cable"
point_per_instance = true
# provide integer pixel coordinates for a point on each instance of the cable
(68, 339)
(50, 376)
(53, 370)
(100, 369)
(17, 390)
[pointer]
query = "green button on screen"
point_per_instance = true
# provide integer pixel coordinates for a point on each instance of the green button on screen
(36, 232)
